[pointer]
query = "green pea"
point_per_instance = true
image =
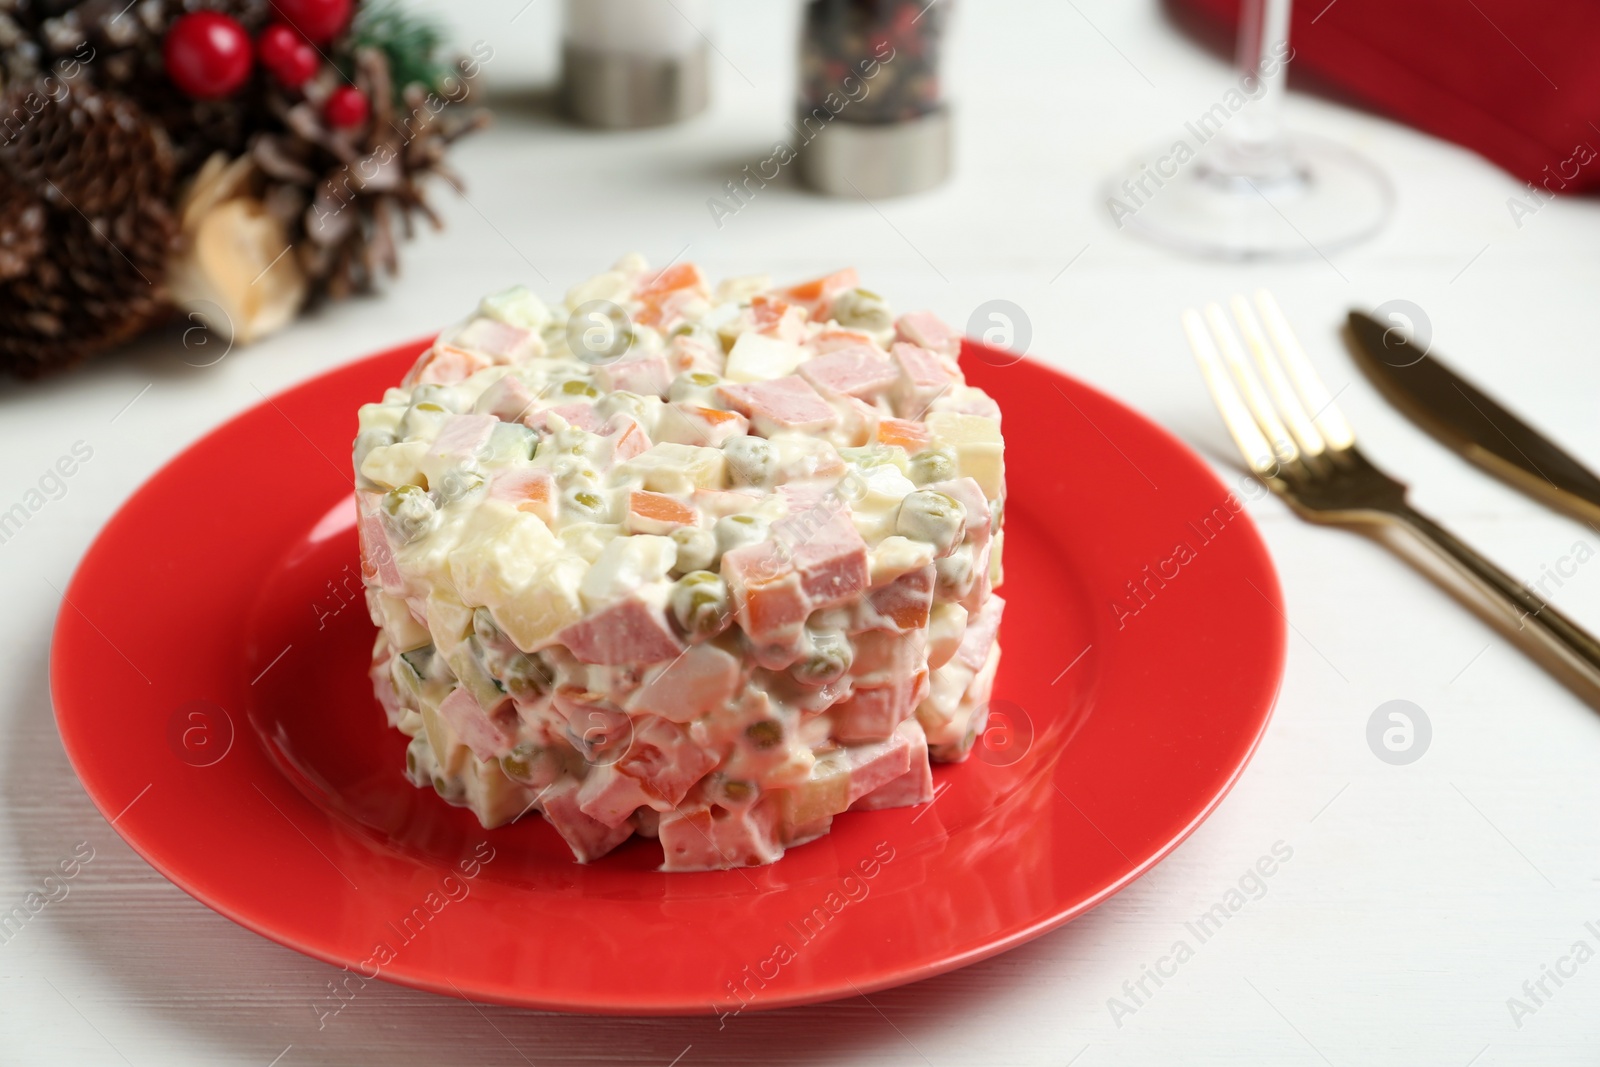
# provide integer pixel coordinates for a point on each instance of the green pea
(456, 484)
(521, 763)
(525, 678)
(733, 531)
(862, 309)
(366, 441)
(830, 657)
(577, 387)
(408, 512)
(697, 549)
(932, 516)
(750, 460)
(933, 465)
(767, 733)
(699, 602)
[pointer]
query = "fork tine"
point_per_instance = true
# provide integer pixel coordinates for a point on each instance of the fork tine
(1282, 393)
(1241, 425)
(1325, 414)
(1255, 397)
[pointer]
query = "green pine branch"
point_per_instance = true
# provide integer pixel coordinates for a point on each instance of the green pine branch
(411, 43)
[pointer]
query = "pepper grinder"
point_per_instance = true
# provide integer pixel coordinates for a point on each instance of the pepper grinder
(628, 64)
(872, 117)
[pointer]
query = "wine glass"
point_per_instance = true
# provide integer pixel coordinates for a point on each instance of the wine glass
(1237, 185)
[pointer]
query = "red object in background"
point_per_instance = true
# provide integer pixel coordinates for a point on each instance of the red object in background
(347, 107)
(289, 57)
(209, 674)
(1514, 80)
(207, 55)
(320, 20)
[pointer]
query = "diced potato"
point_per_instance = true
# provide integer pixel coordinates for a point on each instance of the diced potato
(401, 627)
(549, 603)
(626, 564)
(678, 470)
(392, 466)
(611, 285)
(756, 358)
(498, 552)
(978, 446)
(516, 306)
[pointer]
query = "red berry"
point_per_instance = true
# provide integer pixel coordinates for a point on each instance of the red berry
(207, 55)
(277, 45)
(319, 20)
(346, 108)
(288, 55)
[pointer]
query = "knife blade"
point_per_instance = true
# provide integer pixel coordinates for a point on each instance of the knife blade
(1470, 422)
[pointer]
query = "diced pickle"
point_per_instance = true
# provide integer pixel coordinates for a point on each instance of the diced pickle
(511, 442)
(442, 397)
(578, 387)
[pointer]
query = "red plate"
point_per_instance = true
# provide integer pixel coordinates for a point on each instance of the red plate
(209, 676)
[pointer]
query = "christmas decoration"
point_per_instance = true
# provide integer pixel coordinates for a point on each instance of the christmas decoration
(320, 21)
(346, 108)
(207, 55)
(239, 157)
(289, 57)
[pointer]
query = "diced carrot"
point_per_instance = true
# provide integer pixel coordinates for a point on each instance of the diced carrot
(677, 276)
(773, 316)
(531, 490)
(630, 441)
(654, 512)
(716, 416)
(822, 290)
(832, 339)
(446, 365)
(656, 293)
(911, 436)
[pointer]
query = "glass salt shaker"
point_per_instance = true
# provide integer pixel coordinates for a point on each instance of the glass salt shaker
(634, 63)
(873, 120)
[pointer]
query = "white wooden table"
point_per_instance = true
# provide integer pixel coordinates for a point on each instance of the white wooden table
(1418, 898)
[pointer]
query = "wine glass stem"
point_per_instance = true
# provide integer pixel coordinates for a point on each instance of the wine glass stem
(1263, 60)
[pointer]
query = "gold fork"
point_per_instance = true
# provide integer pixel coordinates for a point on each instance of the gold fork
(1295, 439)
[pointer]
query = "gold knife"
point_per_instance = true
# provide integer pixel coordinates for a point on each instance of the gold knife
(1470, 422)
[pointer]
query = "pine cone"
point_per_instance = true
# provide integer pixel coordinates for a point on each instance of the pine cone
(90, 151)
(100, 173)
(118, 46)
(22, 218)
(355, 187)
